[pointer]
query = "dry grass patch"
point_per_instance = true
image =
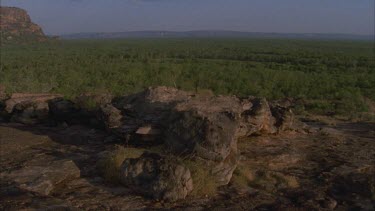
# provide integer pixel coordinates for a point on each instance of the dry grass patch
(109, 165)
(242, 177)
(204, 182)
(270, 181)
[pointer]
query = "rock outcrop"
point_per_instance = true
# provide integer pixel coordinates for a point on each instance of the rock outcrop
(110, 116)
(156, 176)
(16, 25)
(200, 128)
(28, 108)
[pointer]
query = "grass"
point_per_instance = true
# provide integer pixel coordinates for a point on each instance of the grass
(93, 100)
(269, 181)
(109, 165)
(204, 182)
(331, 76)
(242, 177)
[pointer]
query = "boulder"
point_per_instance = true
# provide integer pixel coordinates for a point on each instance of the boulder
(109, 116)
(285, 119)
(28, 108)
(258, 119)
(207, 127)
(30, 113)
(156, 176)
(202, 126)
(148, 136)
(17, 98)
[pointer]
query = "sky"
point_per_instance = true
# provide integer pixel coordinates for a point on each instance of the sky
(59, 17)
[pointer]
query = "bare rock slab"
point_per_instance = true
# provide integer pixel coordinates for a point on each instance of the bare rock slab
(44, 178)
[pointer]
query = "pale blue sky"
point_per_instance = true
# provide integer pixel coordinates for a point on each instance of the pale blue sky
(299, 16)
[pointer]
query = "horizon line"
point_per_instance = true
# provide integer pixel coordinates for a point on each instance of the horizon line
(215, 30)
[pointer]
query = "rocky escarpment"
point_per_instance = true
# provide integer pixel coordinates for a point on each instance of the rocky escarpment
(16, 25)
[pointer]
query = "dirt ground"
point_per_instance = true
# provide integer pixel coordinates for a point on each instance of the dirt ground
(332, 168)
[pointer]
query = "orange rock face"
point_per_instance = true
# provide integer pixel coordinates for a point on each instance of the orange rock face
(16, 24)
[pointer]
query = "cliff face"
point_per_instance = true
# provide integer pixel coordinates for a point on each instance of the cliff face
(16, 25)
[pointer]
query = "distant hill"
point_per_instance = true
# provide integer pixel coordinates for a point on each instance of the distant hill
(16, 26)
(214, 34)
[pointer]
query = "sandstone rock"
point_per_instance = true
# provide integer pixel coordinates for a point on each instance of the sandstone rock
(17, 98)
(43, 179)
(30, 113)
(110, 116)
(286, 120)
(211, 137)
(205, 126)
(16, 25)
(258, 119)
(29, 108)
(147, 130)
(148, 135)
(157, 177)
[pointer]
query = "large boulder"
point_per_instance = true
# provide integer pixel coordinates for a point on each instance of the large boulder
(190, 124)
(30, 113)
(159, 177)
(202, 126)
(29, 108)
(206, 128)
